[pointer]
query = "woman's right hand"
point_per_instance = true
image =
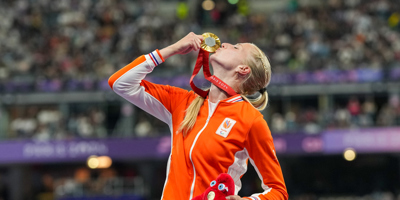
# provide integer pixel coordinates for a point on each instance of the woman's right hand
(191, 42)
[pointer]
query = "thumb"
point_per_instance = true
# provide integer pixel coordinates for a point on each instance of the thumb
(200, 37)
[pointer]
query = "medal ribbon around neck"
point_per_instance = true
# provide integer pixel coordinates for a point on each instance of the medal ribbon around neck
(203, 60)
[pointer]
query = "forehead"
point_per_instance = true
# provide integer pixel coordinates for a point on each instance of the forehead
(246, 47)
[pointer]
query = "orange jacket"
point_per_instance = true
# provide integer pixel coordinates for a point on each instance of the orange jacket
(220, 142)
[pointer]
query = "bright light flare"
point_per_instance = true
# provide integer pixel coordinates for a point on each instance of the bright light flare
(99, 162)
(208, 5)
(349, 154)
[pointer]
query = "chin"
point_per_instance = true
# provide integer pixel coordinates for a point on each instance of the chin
(214, 58)
(212, 55)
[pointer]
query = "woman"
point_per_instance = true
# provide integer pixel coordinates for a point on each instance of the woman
(218, 134)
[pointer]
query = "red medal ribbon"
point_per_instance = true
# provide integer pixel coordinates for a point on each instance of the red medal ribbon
(202, 60)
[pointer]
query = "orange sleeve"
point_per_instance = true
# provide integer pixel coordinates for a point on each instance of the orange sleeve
(261, 150)
(169, 96)
(157, 100)
(125, 69)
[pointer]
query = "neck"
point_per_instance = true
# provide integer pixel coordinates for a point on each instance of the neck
(216, 94)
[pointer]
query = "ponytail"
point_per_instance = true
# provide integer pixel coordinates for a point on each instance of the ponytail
(260, 102)
(191, 115)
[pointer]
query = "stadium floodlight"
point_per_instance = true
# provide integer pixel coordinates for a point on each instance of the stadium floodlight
(208, 4)
(349, 154)
(99, 162)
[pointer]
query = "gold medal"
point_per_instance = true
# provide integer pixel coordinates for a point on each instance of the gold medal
(210, 43)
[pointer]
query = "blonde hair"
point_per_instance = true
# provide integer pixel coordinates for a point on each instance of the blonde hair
(191, 115)
(257, 80)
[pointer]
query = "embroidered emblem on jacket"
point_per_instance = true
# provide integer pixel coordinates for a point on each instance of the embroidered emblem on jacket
(226, 126)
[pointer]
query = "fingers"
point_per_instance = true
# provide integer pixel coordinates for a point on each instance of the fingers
(200, 38)
(233, 197)
(191, 42)
(195, 35)
(197, 43)
(196, 40)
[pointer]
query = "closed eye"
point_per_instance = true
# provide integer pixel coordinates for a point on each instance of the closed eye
(237, 46)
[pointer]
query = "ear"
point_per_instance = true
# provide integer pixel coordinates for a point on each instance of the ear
(243, 70)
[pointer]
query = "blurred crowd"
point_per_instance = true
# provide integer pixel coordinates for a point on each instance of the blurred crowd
(51, 46)
(86, 182)
(73, 45)
(50, 122)
(355, 113)
(78, 181)
(45, 123)
(118, 181)
(52, 182)
(76, 45)
(341, 35)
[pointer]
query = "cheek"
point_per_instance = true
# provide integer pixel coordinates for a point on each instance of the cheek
(234, 57)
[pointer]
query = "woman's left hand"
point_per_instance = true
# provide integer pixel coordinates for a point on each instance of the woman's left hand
(234, 197)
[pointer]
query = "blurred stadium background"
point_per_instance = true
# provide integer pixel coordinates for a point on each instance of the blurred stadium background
(334, 97)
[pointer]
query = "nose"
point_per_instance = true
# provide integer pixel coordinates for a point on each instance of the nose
(224, 45)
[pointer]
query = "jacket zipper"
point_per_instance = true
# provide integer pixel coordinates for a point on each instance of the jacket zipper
(194, 142)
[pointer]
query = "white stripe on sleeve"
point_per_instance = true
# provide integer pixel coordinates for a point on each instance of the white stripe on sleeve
(128, 87)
